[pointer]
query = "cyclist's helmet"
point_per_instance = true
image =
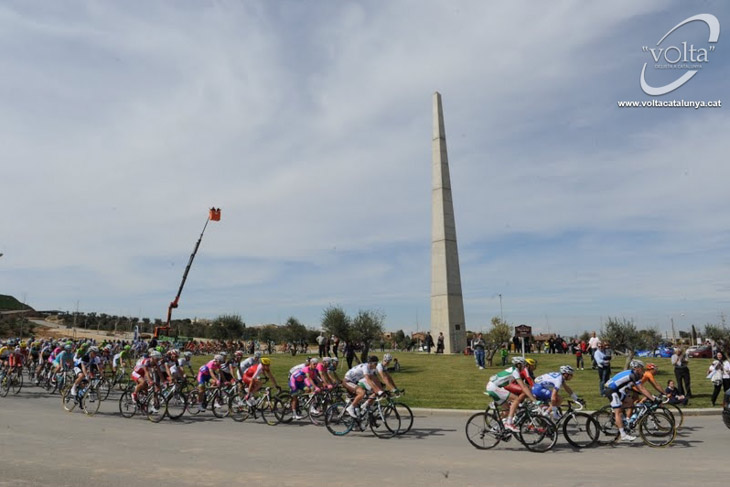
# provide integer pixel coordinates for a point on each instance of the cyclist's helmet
(22, 345)
(218, 358)
(256, 354)
(373, 359)
(335, 360)
(127, 347)
(94, 349)
(160, 349)
(312, 361)
(635, 364)
(531, 362)
(566, 369)
(238, 353)
(67, 347)
(266, 361)
(387, 358)
(188, 355)
(155, 354)
(651, 366)
(518, 361)
(326, 360)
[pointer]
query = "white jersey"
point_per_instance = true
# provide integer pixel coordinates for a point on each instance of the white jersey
(506, 377)
(551, 380)
(358, 373)
(245, 364)
(296, 369)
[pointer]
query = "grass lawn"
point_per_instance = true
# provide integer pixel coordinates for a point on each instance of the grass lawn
(454, 382)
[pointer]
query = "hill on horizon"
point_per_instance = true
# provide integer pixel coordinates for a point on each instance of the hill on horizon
(9, 303)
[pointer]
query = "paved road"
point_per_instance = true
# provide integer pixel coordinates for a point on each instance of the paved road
(43, 445)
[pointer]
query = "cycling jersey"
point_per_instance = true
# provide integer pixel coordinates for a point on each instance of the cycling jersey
(245, 364)
(515, 388)
(64, 358)
(622, 380)
(546, 384)
(358, 373)
(253, 373)
(507, 376)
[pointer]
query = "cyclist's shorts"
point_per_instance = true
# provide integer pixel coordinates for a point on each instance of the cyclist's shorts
(296, 385)
(203, 378)
(136, 376)
(499, 394)
(617, 397)
(77, 370)
(365, 385)
(542, 393)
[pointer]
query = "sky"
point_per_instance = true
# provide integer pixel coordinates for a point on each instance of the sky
(309, 125)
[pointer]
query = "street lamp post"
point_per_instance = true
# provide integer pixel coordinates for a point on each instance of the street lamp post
(501, 315)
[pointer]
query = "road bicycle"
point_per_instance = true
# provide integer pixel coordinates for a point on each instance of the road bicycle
(404, 412)
(87, 396)
(535, 431)
(654, 423)
(383, 421)
(580, 429)
(216, 396)
(263, 404)
(11, 381)
(149, 401)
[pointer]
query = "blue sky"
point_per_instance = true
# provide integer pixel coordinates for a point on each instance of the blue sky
(309, 124)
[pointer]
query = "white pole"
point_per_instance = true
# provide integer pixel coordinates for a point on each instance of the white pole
(522, 339)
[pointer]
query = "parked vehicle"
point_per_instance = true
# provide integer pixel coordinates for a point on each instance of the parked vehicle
(704, 351)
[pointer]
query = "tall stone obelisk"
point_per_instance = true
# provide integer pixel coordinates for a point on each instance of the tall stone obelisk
(447, 304)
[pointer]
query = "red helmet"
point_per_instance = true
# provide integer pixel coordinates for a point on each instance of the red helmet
(650, 366)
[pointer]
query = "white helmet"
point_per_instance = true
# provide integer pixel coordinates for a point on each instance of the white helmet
(635, 364)
(257, 354)
(155, 354)
(566, 369)
(387, 358)
(518, 361)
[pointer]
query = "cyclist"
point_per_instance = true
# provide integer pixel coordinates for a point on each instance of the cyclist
(185, 361)
(322, 372)
(122, 358)
(359, 380)
(383, 375)
(208, 372)
(245, 364)
(300, 377)
(143, 371)
(496, 388)
(616, 390)
(648, 377)
(547, 388)
(332, 371)
(63, 361)
(251, 378)
(84, 367)
(528, 377)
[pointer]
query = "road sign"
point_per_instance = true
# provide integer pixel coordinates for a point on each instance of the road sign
(523, 331)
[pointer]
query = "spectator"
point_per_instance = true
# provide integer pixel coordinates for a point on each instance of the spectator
(321, 342)
(504, 353)
(478, 344)
(336, 345)
(579, 364)
(673, 394)
(603, 358)
(719, 374)
(681, 372)
(440, 343)
(593, 342)
(429, 342)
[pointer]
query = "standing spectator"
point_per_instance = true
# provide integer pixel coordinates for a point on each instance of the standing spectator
(429, 342)
(336, 346)
(603, 358)
(681, 372)
(504, 353)
(478, 345)
(327, 346)
(349, 353)
(321, 342)
(719, 374)
(440, 343)
(579, 364)
(593, 342)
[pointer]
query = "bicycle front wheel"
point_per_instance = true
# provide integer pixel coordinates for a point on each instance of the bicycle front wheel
(657, 429)
(282, 408)
(538, 434)
(16, 383)
(91, 401)
(581, 430)
(155, 407)
(219, 404)
(676, 413)
(406, 417)
(239, 410)
(175, 405)
(5, 386)
(127, 405)
(68, 400)
(608, 431)
(483, 432)
(105, 388)
(336, 419)
(384, 421)
(267, 409)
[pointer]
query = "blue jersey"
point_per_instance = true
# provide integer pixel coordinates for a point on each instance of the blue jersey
(623, 379)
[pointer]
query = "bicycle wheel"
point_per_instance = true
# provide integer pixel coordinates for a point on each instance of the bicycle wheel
(538, 433)
(104, 388)
(175, 405)
(193, 402)
(282, 408)
(581, 430)
(239, 410)
(219, 404)
(266, 408)
(127, 405)
(5, 385)
(483, 431)
(336, 419)
(16, 382)
(608, 431)
(406, 417)
(677, 413)
(317, 408)
(68, 400)
(384, 421)
(155, 407)
(657, 429)
(91, 401)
